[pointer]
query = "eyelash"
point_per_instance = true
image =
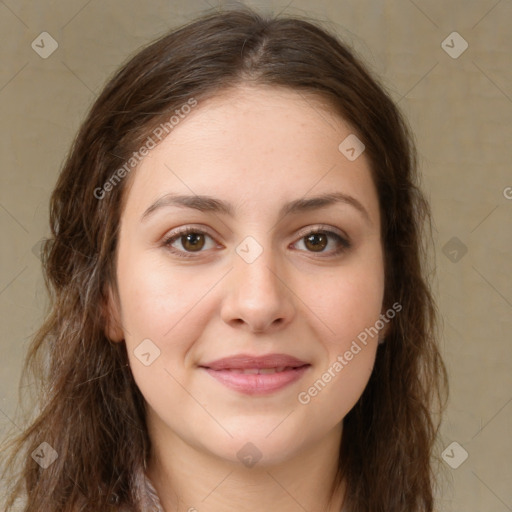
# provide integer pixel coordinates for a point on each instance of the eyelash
(344, 243)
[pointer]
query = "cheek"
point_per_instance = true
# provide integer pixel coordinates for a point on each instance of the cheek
(168, 308)
(157, 299)
(348, 303)
(349, 310)
(163, 315)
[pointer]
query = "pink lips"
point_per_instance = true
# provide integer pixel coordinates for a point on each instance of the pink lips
(257, 374)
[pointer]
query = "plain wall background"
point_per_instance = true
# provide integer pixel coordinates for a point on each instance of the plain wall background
(460, 110)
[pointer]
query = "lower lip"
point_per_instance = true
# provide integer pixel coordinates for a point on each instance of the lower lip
(256, 384)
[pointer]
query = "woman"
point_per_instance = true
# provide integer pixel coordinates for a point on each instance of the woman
(240, 312)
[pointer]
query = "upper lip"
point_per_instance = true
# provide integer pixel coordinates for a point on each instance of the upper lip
(246, 361)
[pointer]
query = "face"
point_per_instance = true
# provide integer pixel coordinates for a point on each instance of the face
(264, 270)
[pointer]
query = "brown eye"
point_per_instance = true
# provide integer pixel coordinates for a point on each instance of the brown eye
(189, 242)
(317, 242)
(192, 241)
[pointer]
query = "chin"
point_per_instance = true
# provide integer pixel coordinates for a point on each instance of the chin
(256, 449)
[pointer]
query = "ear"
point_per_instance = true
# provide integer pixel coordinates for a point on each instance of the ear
(112, 315)
(384, 331)
(387, 327)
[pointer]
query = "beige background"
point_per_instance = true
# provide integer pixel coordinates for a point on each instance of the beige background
(461, 112)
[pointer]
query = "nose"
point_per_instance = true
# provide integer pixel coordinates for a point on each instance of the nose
(258, 297)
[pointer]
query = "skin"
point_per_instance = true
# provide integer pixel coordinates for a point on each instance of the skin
(256, 148)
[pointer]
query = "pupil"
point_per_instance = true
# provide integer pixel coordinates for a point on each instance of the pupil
(191, 241)
(317, 246)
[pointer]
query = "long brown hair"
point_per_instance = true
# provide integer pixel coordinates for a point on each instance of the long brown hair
(90, 410)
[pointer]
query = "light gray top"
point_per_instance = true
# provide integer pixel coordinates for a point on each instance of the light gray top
(155, 505)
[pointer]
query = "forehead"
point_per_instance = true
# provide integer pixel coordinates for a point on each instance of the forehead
(254, 143)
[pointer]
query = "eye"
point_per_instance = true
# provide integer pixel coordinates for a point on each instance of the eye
(317, 240)
(191, 240)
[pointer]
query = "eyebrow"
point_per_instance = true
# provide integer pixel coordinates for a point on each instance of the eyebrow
(205, 203)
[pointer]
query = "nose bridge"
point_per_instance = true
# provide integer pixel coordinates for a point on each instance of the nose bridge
(256, 268)
(256, 292)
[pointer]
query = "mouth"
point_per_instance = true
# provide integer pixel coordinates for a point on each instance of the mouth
(258, 381)
(260, 371)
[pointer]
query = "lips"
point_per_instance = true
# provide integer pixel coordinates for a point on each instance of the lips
(245, 363)
(259, 371)
(257, 375)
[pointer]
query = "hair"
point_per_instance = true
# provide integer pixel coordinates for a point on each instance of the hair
(90, 409)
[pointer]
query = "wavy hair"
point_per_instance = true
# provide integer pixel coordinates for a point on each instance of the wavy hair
(89, 409)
